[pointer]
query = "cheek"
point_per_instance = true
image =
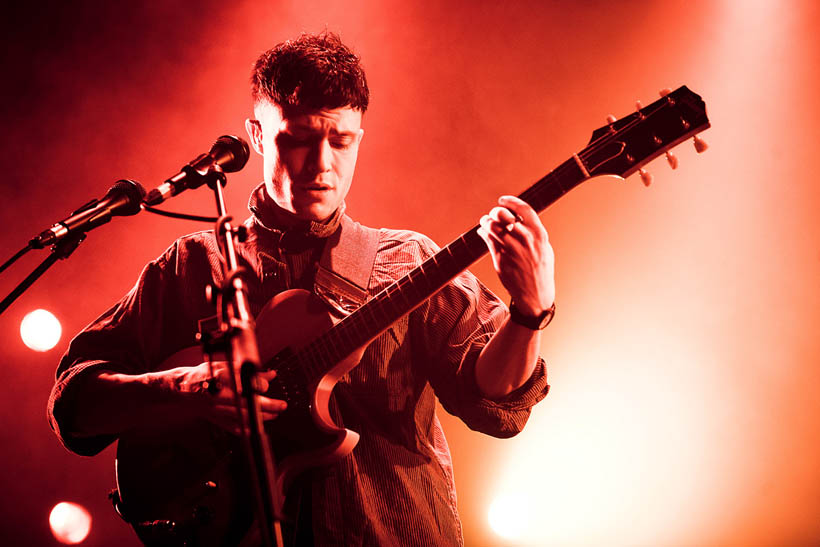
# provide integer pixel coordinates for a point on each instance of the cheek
(292, 159)
(346, 163)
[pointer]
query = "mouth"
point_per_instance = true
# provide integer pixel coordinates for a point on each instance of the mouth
(313, 187)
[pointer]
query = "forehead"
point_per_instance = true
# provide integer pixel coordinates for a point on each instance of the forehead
(336, 120)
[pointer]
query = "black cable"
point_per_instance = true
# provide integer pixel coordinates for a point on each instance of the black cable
(13, 259)
(182, 216)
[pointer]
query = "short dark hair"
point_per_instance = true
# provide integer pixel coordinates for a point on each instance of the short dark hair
(314, 71)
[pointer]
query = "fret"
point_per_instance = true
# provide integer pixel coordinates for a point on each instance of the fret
(404, 291)
(388, 302)
(555, 184)
(460, 250)
(410, 291)
(329, 344)
(416, 277)
(322, 353)
(391, 295)
(379, 308)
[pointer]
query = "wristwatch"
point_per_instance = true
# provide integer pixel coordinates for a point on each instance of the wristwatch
(536, 322)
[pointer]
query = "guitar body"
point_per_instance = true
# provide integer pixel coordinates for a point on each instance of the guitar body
(189, 485)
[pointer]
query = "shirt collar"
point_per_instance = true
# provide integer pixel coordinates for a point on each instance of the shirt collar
(269, 216)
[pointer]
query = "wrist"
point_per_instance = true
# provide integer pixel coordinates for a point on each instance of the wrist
(537, 320)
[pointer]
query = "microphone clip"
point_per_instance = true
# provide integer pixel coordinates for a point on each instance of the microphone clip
(188, 178)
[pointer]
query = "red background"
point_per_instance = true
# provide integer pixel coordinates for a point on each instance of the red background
(684, 354)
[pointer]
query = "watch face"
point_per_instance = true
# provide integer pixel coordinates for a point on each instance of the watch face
(546, 317)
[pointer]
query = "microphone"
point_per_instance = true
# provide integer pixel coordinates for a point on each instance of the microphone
(122, 199)
(228, 154)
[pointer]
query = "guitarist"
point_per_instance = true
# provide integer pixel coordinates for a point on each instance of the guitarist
(462, 346)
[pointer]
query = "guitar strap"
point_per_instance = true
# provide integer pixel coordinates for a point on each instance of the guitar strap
(346, 266)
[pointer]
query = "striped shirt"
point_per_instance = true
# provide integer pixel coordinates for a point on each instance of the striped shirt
(396, 487)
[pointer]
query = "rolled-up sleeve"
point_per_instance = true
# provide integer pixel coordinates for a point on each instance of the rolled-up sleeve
(458, 322)
(149, 323)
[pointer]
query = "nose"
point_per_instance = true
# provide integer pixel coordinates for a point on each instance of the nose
(322, 157)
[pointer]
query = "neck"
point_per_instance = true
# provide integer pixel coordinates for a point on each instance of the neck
(274, 217)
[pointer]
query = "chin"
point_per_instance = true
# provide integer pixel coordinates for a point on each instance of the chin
(316, 214)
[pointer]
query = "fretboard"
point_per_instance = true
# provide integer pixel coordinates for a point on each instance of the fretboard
(421, 283)
(619, 148)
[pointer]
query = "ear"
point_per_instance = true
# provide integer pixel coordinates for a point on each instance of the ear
(361, 135)
(254, 129)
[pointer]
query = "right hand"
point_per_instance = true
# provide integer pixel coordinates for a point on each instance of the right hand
(216, 404)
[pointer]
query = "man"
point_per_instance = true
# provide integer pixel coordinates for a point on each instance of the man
(396, 486)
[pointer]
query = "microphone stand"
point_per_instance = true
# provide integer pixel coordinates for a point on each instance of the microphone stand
(59, 251)
(121, 199)
(236, 327)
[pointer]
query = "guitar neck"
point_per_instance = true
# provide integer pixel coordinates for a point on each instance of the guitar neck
(421, 283)
(619, 148)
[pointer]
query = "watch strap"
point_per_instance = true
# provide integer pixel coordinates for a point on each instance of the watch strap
(536, 322)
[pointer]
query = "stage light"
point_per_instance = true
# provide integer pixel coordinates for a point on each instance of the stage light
(509, 515)
(40, 330)
(70, 523)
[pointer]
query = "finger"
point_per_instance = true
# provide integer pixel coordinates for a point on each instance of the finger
(521, 208)
(504, 216)
(267, 374)
(496, 227)
(272, 406)
(493, 233)
(263, 380)
(491, 245)
(486, 237)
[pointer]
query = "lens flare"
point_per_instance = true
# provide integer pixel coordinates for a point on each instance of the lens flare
(509, 515)
(70, 523)
(40, 330)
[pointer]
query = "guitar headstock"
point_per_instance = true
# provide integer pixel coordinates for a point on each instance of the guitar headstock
(623, 146)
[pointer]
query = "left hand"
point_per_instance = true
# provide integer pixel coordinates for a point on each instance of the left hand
(522, 254)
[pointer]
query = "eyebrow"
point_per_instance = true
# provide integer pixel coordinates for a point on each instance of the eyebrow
(333, 131)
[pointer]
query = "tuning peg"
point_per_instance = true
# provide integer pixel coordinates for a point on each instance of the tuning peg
(672, 159)
(611, 119)
(646, 176)
(700, 144)
(665, 91)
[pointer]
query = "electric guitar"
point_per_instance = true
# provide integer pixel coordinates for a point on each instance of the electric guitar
(189, 486)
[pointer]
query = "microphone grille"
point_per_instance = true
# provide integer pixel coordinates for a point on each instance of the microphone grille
(231, 153)
(131, 192)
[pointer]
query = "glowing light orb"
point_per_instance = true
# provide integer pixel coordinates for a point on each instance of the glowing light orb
(70, 523)
(40, 330)
(509, 515)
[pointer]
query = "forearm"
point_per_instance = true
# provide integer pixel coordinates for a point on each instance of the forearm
(109, 403)
(508, 360)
